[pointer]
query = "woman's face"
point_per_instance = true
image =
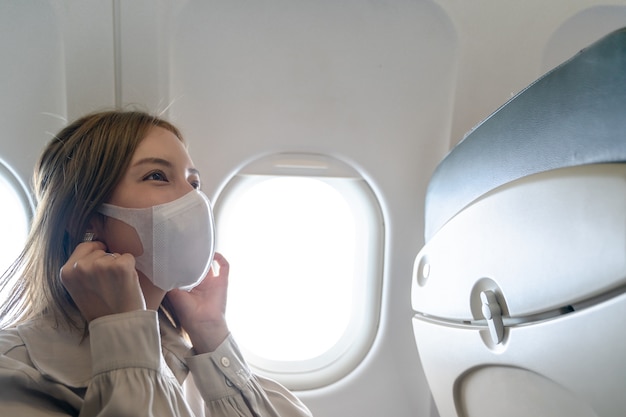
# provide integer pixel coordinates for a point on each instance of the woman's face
(160, 171)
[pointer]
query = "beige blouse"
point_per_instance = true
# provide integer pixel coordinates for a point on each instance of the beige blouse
(128, 366)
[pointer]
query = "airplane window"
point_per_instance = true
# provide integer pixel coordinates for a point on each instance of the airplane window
(15, 217)
(303, 235)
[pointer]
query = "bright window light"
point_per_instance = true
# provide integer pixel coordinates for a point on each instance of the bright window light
(293, 242)
(15, 213)
(303, 236)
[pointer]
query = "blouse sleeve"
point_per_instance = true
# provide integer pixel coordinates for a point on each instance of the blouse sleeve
(129, 375)
(229, 388)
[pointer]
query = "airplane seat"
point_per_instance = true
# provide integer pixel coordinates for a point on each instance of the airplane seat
(519, 293)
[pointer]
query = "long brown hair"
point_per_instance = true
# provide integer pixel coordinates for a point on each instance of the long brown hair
(75, 174)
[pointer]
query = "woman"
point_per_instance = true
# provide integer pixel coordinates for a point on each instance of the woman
(96, 323)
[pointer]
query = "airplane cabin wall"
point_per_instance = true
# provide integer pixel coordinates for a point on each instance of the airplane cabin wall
(385, 85)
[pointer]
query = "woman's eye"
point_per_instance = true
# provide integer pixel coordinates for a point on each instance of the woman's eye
(156, 176)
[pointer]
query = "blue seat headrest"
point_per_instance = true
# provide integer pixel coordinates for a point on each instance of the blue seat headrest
(573, 115)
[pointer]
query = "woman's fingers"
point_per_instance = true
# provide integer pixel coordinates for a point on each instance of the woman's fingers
(102, 283)
(223, 267)
(83, 250)
(201, 311)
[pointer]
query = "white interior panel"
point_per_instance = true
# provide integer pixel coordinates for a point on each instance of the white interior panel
(367, 82)
(581, 30)
(33, 89)
(502, 48)
(56, 65)
(88, 54)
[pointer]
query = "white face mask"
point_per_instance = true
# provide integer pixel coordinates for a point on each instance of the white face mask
(178, 239)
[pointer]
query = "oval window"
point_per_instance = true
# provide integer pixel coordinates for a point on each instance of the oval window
(304, 238)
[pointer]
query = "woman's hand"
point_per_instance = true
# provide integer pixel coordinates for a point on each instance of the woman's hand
(202, 311)
(102, 283)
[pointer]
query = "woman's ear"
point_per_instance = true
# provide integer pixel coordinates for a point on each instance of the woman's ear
(95, 228)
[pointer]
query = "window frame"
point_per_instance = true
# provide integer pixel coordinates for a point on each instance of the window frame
(352, 347)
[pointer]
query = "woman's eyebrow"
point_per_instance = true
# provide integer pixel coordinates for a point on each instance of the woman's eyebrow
(153, 160)
(162, 162)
